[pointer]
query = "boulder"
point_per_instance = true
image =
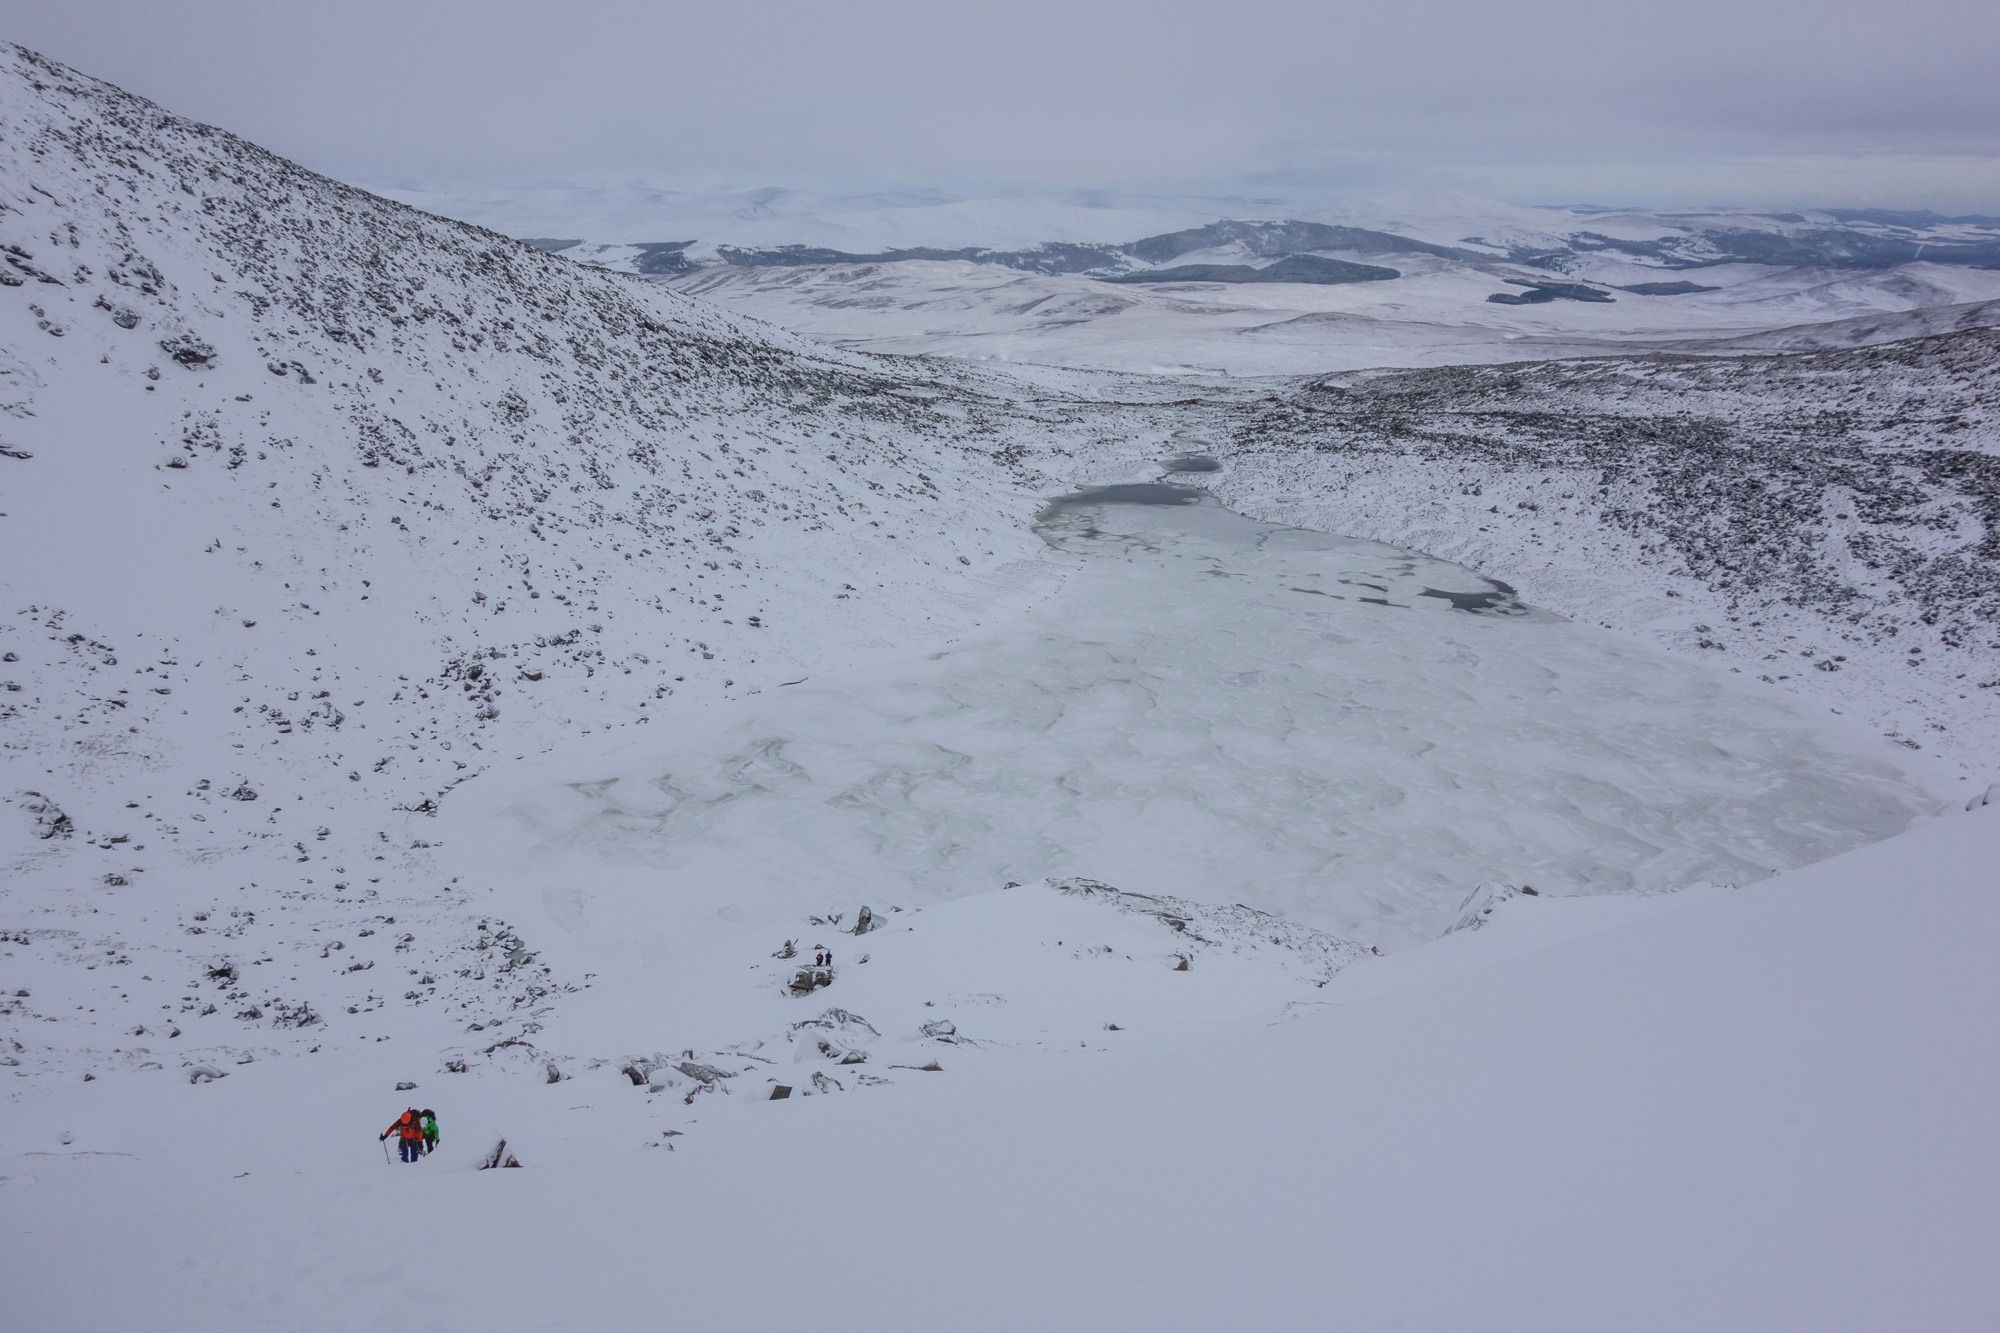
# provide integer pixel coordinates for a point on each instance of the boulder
(835, 1035)
(703, 1074)
(498, 1156)
(1479, 905)
(809, 979)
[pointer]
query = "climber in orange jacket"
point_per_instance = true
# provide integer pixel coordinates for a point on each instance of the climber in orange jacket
(410, 1129)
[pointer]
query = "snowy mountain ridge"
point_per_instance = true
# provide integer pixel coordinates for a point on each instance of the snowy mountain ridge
(621, 226)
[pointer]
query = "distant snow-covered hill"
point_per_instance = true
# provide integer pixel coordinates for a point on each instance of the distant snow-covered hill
(1437, 312)
(625, 226)
(1024, 278)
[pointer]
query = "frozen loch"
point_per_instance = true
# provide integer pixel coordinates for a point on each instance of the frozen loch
(1335, 731)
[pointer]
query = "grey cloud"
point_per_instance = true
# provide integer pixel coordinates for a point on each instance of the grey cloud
(1113, 93)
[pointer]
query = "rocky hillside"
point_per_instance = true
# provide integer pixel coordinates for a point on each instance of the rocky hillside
(1830, 519)
(317, 505)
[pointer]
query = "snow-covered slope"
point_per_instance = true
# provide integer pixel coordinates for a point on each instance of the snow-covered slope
(317, 506)
(1861, 330)
(1745, 1110)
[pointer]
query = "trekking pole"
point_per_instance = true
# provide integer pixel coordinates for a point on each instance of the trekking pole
(385, 1153)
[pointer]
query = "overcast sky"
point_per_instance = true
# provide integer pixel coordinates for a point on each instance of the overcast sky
(1891, 102)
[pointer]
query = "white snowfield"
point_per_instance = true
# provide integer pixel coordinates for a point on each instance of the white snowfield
(1758, 1109)
(435, 673)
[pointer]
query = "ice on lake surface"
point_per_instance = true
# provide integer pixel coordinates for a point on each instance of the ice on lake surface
(1236, 712)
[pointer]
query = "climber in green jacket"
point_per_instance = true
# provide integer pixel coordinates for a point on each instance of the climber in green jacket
(430, 1126)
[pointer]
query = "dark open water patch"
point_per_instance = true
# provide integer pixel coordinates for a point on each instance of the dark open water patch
(1130, 493)
(1500, 601)
(1104, 518)
(1192, 463)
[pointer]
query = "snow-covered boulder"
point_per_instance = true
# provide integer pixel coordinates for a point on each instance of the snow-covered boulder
(1479, 904)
